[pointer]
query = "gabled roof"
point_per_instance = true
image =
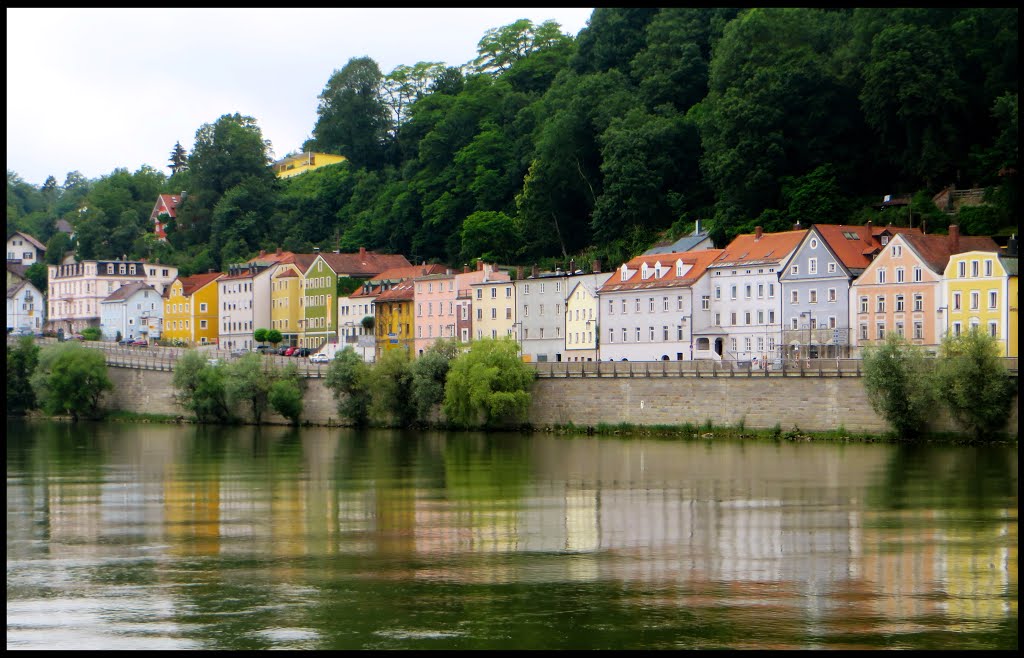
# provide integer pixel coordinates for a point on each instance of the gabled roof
(698, 261)
(685, 243)
(191, 284)
(126, 291)
(64, 226)
(31, 240)
(271, 259)
(364, 263)
(166, 203)
(763, 249)
(935, 250)
(408, 272)
(13, 291)
(18, 270)
(401, 292)
(854, 246)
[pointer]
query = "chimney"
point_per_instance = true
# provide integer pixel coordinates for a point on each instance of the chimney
(316, 250)
(479, 265)
(1011, 246)
(595, 267)
(535, 271)
(519, 273)
(868, 224)
(465, 268)
(796, 227)
(758, 232)
(263, 252)
(954, 239)
(423, 270)
(362, 253)
(696, 227)
(278, 252)
(572, 266)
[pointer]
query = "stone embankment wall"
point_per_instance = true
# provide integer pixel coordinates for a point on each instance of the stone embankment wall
(809, 403)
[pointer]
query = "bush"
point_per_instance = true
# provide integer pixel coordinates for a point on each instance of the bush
(200, 388)
(286, 398)
(247, 382)
(973, 383)
(22, 360)
(92, 333)
(390, 385)
(899, 385)
(489, 385)
(71, 379)
(348, 378)
(429, 373)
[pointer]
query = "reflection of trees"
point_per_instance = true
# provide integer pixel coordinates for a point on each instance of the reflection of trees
(977, 478)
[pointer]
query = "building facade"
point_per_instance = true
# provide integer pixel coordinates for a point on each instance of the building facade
(191, 310)
(25, 307)
(75, 289)
(980, 291)
(133, 311)
(24, 249)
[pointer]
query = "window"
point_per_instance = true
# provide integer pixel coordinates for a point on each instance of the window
(746, 344)
(494, 314)
(760, 317)
(760, 291)
(812, 265)
(746, 318)
(479, 293)
(650, 304)
(881, 330)
(771, 290)
(812, 296)
(638, 334)
(918, 302)
(679, 302)
(956, 301)
(794, 296)
(880, 304)
(993, 328)
(956, 328)
(636, 304)
(795, 269)
(899, 275)
(718, 293)
(993, 299)
(962, 269)
(899, 329)
(705, 302)
(881, 275)
(988, 268)
(918, 329)
(863, 330)
(831, 295)
(974, 268)
(794, 323)
(771, 317)
(917, 274)
(494, 293)
(975, 300)
(899, 304)
(732, 319)
(508, 312)
(733, 290)
(625, 335)
(897, 251)
(479, 314)
(526, 311)
(508, 292)
(814, 243)
(611, 335)
(749, 291)
(832, 322)
(718, 319)
(652, 334)
(831, 268)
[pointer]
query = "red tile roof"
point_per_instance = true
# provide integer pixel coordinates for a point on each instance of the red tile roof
(769, 248)
(364, 263)
(698, 261)
(401, 292)
(856, 253)
(190, 284)
(935, 250)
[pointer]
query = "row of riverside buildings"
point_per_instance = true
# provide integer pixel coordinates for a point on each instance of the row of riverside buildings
(817, 292)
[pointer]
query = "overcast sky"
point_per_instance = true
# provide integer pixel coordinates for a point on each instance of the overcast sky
(97, 89)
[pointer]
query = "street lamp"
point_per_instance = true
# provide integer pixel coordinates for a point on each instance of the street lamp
(597, 339)
(807, 314)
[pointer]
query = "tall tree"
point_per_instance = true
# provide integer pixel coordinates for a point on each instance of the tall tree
(352, 118)
(178, 159)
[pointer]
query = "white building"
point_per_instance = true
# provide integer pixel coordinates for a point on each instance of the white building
(650, 306)
(244, 295)
(25, 307)
(24, 249)
(747, 296)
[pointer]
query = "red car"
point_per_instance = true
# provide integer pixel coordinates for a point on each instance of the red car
(289, 351)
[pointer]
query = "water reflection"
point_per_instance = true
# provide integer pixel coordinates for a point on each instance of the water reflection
(256, 538)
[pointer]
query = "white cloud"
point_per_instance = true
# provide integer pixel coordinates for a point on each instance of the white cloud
(96, 89)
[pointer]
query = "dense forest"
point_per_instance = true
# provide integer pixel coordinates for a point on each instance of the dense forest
(548, 147)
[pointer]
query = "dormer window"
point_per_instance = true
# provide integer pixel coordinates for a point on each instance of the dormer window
(624, 272)
(679, 268)
(644, 272)
(884, 240)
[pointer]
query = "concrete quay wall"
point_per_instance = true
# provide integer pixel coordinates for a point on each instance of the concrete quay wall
(809, 403)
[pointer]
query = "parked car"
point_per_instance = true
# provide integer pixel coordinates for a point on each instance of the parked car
(78, 336)
(125, 341)
(302, 351)
(319, 357)
(262, 349)
(141, 342)
(290, 350)
(239, 352)
(24, 331)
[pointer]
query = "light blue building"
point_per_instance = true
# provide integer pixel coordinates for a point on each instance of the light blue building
(135, 310)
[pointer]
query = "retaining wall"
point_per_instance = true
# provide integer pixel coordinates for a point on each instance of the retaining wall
(810, 403)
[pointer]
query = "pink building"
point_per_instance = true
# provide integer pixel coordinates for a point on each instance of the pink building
(442, 304)
(900, 290)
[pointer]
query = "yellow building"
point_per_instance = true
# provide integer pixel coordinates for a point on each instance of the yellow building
(494, 304)
(190, 309)
(394, 319)
(981, 291)
(286, 286)
(293, 165)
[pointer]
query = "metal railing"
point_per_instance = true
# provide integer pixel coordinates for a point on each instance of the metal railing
(164, 358)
